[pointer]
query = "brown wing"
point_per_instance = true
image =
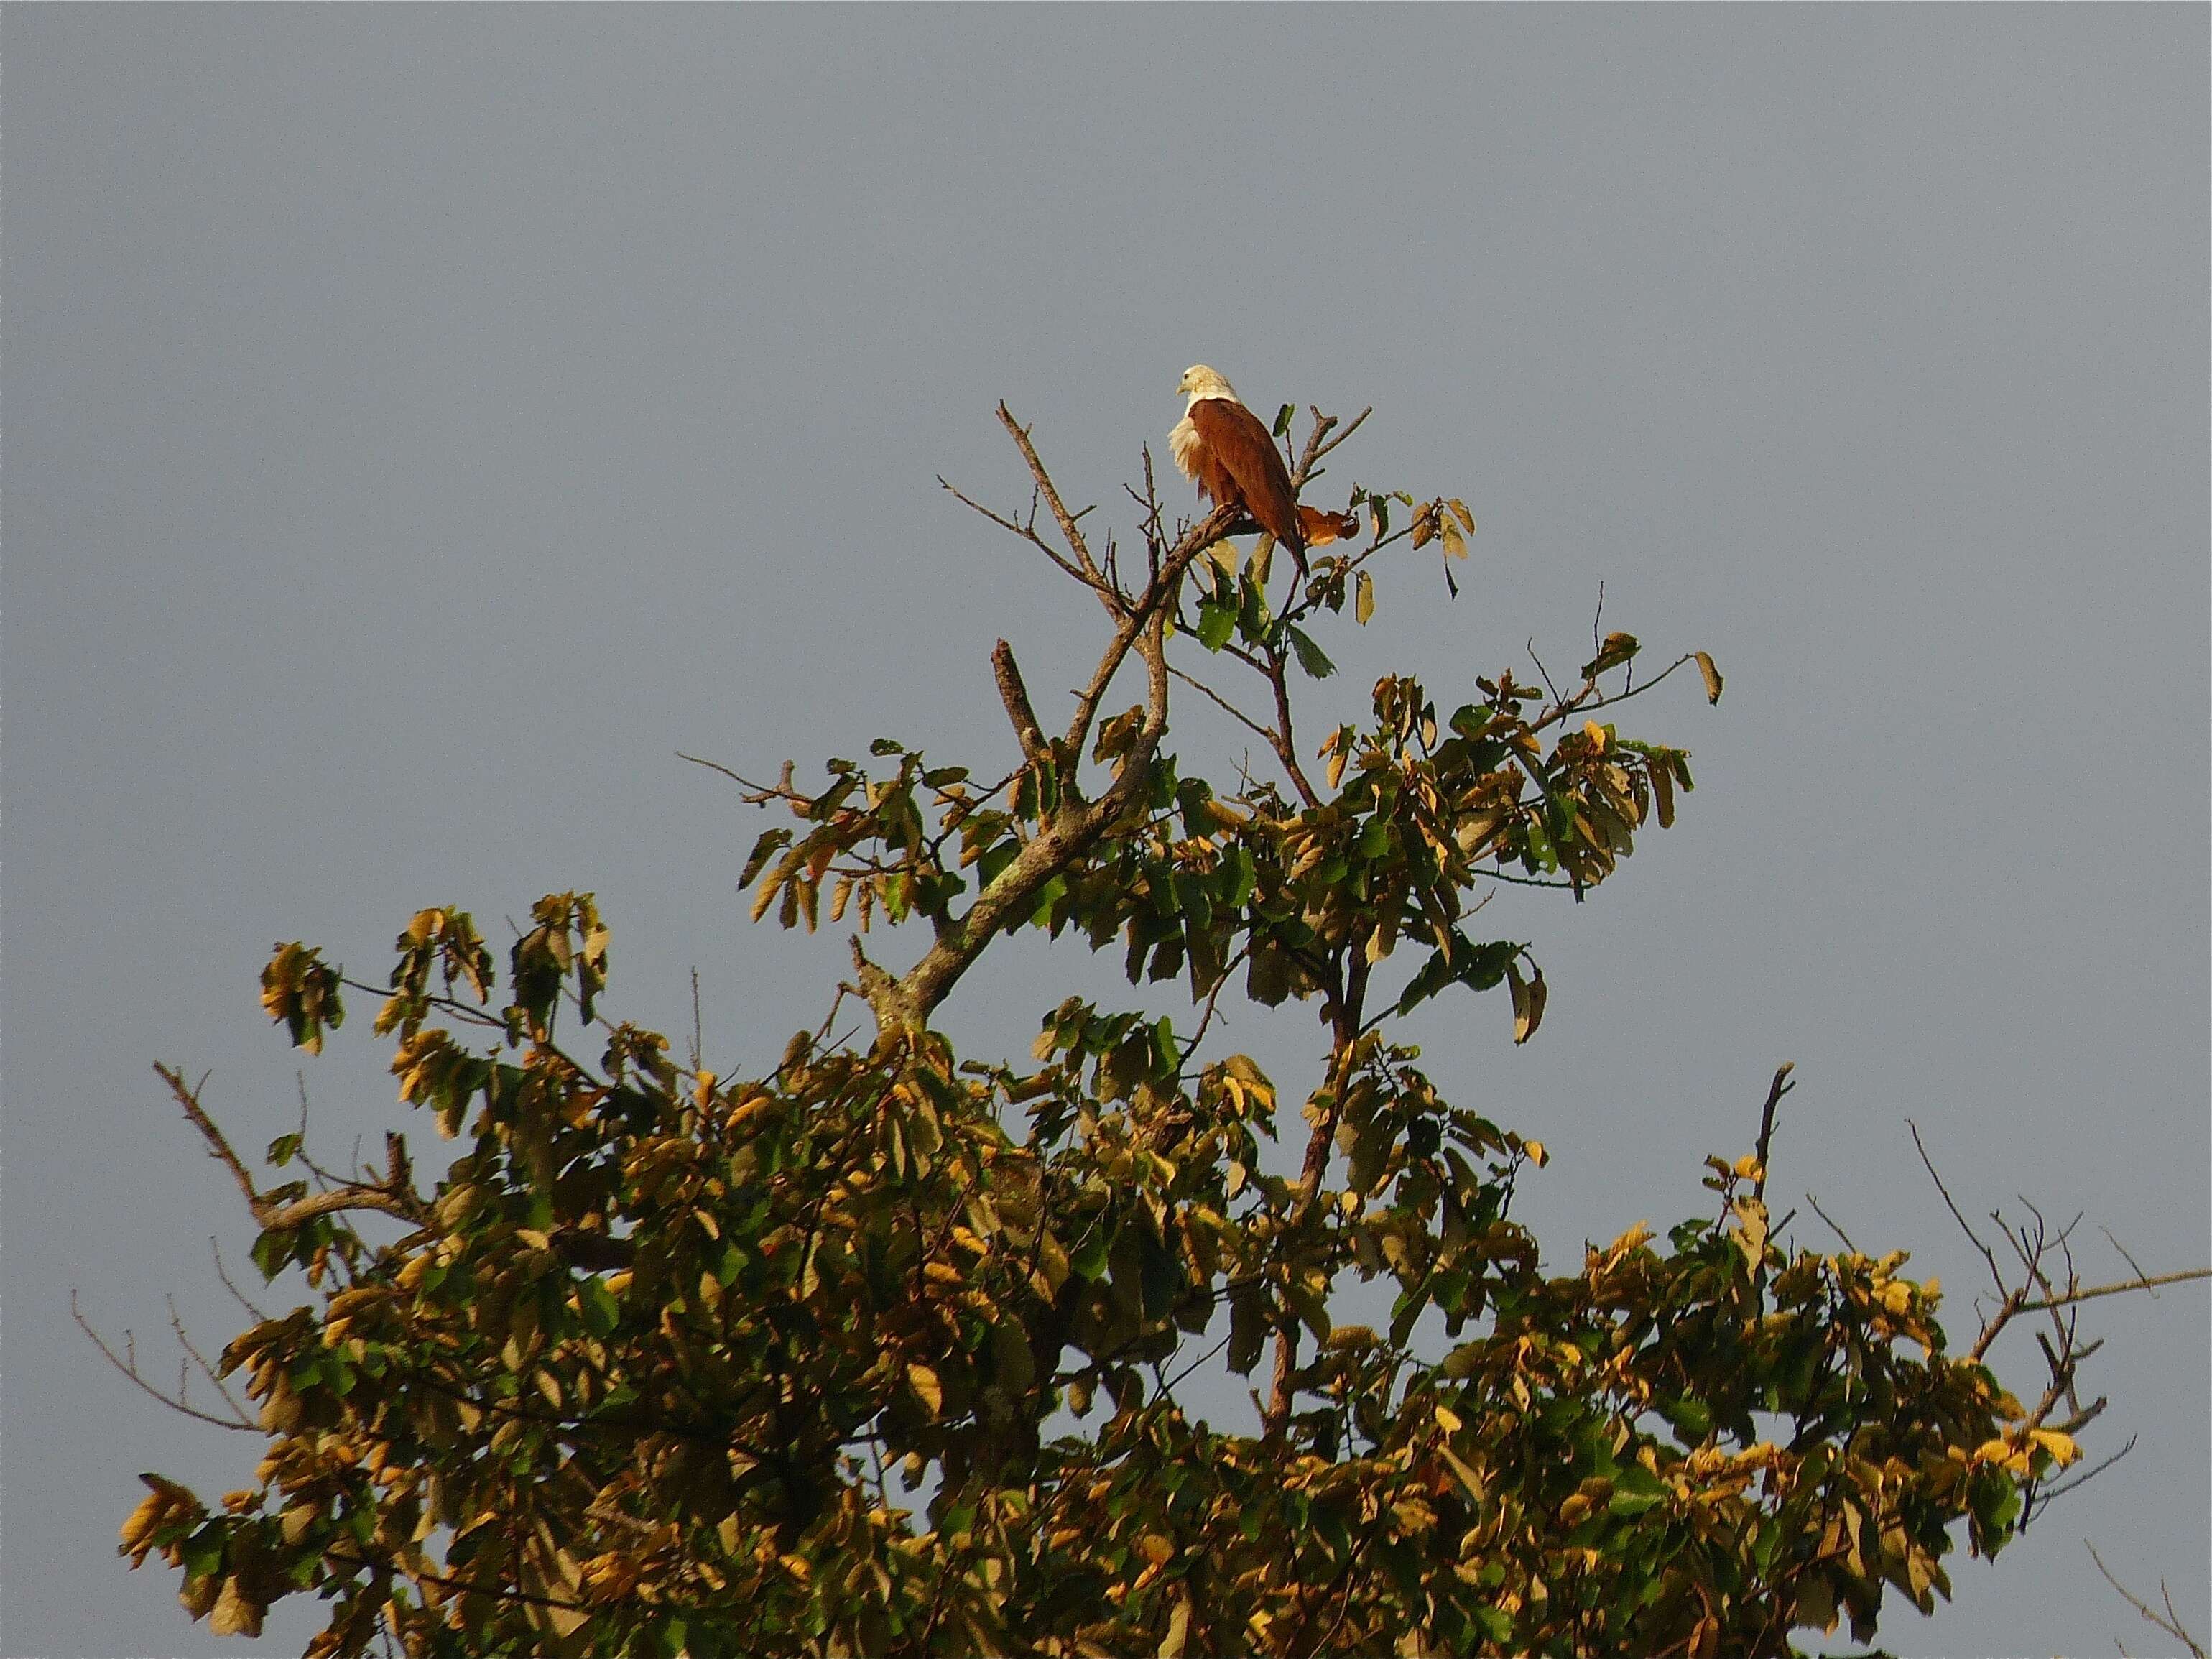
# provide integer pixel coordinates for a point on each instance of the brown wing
(1321, 528)
(1240, 463)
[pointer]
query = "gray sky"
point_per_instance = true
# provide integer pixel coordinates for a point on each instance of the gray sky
(422, 423)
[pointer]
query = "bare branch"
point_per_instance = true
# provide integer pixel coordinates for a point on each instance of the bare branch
(1021, 529)
(1091, 574)
(1315, 446)
(1546, 672)
(2146, 1282)
(1015, 696)
(1230, 708)
(1283, 740)
(2124, 1256)
(237, 1295)
(1781, 1086)
(2170, 1622)
(2010, 1298)
(2087, 1474)
(1158, 595)
(218, 1145)
(127, 1363)
(185, 1341)
(394, 1199)
(1832, 1227)
(1586, 701)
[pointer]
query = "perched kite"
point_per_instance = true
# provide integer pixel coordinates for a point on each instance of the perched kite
(1225, 447)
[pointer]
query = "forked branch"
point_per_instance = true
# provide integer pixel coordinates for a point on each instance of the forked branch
(1140, 622)
(2169, 1621)
(394, 1196)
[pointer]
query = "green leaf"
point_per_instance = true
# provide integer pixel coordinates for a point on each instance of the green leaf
(1689, 1417)
(1248, 1329)
(1215, 623)
(1311, 657)
(1636, 1489)
(601, 1312)
(203, 1550)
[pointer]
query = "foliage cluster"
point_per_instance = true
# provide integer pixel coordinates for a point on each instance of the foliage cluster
(882, 1350)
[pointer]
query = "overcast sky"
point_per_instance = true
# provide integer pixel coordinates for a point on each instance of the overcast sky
(422, 423)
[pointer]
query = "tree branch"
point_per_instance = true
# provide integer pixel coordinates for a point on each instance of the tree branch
(393, 1196)
(1781, 1086)
(1015, 696)
(2066, 1300)
(2171, 1624)
(129, 1366)
(1069, 831)
(1092, 576)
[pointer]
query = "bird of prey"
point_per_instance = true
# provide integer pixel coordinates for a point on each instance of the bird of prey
(1225, 447)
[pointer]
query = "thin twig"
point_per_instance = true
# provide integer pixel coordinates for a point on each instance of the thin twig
(1781, 1086)
(1228, 706)
(2082, 1478)
(1091, 574)
(129, 1367)
(185, 1341)
(223, 1274)
(2171, 1624)
(1021, 529)
(2147, 1282)
(1832, 1227)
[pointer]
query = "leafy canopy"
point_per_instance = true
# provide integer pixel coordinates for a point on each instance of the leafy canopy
(877, 1351)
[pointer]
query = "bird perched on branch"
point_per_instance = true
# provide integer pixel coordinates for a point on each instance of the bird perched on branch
(1227, 449)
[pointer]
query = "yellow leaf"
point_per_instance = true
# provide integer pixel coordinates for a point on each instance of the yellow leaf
(234, 1614)
(1751, 1215)
(1448, 1420)
(2060, 1447)
(1712, 677)
(925, 1386)
(1529, 997)
(1459, 507)
(1595, 733)
(1157, 1549)
(1362, 603)
(1171, 1644)
(1467, 1477)
(1537, 1154)
(1635, 1238)
(1455, 543)
(144, 1521)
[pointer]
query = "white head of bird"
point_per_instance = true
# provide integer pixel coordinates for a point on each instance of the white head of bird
(1200, 381)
